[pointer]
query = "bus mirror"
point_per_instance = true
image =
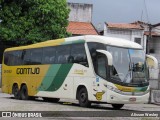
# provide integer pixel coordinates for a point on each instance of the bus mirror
(152, 63)
(108, 55)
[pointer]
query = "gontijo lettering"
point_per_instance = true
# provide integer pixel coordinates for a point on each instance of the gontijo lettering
(28, 70)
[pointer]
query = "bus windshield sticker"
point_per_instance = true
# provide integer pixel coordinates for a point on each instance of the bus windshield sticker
(131, 51)
(97, 79)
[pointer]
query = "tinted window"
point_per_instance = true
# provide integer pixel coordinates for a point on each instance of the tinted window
(32, 56)
(36, 56)
(78, 54)
(101, 66)
(95, 46)
(49, 55)
(26, 57)
(6, 58)
(62, 54)
(13, 58)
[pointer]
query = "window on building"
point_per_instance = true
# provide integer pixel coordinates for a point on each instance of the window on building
(137, 40)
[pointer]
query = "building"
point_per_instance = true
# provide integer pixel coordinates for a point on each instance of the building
(152, 36)
(80, 19)
(129, 31)
(80, 12)
(155, 41)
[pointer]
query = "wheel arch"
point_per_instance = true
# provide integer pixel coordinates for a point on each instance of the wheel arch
(78, 88)
(14, 84)
(23, 85)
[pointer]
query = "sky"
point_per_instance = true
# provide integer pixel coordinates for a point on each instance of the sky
(123, 11)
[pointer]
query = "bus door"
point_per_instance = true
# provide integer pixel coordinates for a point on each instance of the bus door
(101, 70)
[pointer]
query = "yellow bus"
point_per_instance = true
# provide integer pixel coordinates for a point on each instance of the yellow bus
(87, 68)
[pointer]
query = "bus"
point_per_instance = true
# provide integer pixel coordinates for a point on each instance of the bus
(90, 69)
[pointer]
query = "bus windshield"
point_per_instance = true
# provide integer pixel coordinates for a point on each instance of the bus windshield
(129, 65)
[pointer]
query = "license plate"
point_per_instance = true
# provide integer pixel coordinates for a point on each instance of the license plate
(132, 99)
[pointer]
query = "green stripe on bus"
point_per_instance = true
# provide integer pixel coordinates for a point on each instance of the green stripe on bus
(48, 79)
(73, 42)
(141, 89)
(55, 77)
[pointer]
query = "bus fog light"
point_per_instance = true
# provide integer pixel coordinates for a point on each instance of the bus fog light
(112, 97)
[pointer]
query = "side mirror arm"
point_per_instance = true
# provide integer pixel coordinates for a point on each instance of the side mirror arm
(108, 55)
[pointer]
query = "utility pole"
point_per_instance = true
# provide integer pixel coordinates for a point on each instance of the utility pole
(149, 38)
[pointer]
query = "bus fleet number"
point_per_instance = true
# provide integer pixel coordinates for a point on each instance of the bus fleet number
(7, 71)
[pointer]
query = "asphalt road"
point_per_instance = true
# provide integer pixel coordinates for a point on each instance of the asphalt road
(69, 109)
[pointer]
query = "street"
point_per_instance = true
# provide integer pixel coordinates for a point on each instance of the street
(8, 103)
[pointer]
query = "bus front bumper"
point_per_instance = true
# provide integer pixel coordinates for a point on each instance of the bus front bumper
(117, 98)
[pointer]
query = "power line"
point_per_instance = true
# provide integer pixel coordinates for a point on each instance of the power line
(145, 5)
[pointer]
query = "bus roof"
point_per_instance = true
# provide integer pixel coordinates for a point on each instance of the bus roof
(87, 38)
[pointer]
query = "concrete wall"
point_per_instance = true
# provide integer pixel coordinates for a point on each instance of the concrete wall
(155, 44)
(129, 34)
(80, 12)
(155, 96)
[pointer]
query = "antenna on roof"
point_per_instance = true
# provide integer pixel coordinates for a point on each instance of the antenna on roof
(145, 5)
(142, 15)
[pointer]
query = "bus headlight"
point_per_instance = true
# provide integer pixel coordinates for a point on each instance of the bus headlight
(113, 89)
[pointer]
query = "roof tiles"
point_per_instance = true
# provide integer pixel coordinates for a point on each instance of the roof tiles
(81, 28)
(124, 26)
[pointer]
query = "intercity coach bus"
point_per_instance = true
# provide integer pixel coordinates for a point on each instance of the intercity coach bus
(87, 68)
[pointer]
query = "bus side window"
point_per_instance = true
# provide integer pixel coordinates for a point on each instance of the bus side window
(78, 54)
(49, 54)
(13, 58)
(6, 58)
(62, 54)
(36, 56)
(93, 46)
(26, 57)
(101, 66)
(17, 57)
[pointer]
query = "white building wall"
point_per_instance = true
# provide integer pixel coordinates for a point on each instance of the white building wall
(80, 12)
(156, 47)
(128, 34)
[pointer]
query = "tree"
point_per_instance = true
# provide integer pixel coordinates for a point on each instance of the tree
(30, 21)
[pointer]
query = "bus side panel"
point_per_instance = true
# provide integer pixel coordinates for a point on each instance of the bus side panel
(57, 82)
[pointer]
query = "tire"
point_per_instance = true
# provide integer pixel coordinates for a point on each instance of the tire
(117, 106)
(24, 93)
(55, 100)
(83, 98)
(15, 91)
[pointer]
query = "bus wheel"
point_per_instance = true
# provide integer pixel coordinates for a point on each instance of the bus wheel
(83, 98)
(15, 91)
(117, 106)
(24, 93)
(55, 100)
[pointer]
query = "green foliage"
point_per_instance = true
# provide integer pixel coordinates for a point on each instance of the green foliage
(30, 21)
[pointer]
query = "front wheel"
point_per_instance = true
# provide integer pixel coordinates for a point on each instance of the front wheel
(83, 98)
(117, 106)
